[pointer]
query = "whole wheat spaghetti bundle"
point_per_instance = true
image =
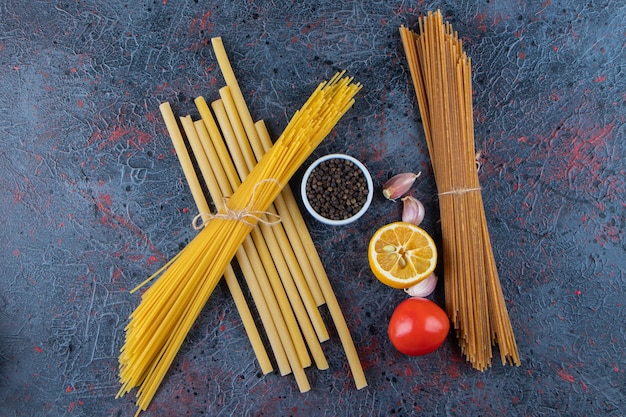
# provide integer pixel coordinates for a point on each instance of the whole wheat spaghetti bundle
(441, 74)
(168, 309)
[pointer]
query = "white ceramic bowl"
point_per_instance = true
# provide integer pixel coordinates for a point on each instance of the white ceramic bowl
(316, 215)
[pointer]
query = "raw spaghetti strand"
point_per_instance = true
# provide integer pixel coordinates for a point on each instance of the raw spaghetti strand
(441, 75)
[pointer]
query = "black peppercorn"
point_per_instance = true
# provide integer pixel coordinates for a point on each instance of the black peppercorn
(337, 189)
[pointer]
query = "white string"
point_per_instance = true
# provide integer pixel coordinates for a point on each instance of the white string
(460, 191)
(202, 219)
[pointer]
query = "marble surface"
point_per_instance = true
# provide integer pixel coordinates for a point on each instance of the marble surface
(93, 199)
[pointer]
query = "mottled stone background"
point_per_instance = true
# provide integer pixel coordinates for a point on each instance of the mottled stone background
(93, 199)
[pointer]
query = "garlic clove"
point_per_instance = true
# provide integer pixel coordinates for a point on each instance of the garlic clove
(413, 210)
(399, 184)
(423, 288)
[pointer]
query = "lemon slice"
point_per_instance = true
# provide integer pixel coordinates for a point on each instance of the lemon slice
(402, 254)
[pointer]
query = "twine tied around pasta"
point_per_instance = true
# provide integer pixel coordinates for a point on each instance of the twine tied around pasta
(201, 219)
(459, 191)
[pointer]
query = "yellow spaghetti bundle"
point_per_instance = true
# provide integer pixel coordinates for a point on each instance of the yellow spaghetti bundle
(168, 309)
(441, 74)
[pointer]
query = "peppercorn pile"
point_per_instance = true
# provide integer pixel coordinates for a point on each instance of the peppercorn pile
(336, 189)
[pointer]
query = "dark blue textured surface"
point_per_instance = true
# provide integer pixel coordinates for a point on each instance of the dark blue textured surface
(94, 199)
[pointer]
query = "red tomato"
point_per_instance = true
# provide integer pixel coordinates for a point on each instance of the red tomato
(418, 326)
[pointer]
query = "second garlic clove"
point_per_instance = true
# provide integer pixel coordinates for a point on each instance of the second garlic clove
(413, 210)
